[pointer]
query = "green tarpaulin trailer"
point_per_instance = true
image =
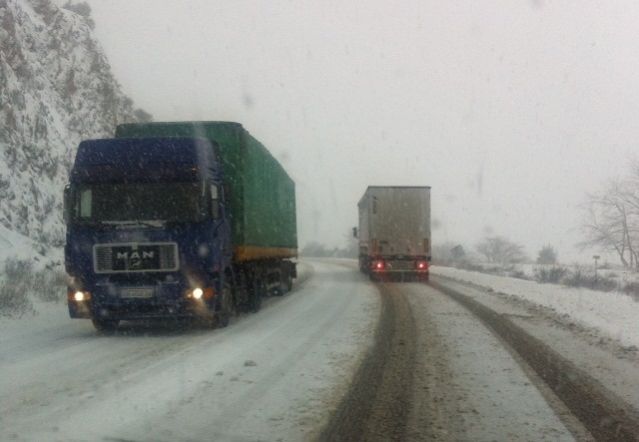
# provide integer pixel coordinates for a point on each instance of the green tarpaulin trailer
(261, 195)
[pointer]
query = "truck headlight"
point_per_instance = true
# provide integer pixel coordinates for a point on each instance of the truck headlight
(200, 293)
(79, 296)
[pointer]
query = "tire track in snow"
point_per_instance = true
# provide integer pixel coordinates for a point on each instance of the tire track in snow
(377, 404)
(604, 414)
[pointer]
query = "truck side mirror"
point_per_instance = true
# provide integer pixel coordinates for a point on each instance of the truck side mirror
(354, 232)
(215, 201)
(66, 212)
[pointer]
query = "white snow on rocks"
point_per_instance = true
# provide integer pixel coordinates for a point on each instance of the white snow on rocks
(56, 88)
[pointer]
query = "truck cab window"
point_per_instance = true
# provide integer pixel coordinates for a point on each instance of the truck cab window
(123, 202)
(85, 203)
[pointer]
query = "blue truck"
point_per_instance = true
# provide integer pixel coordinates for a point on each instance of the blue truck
(177, 220)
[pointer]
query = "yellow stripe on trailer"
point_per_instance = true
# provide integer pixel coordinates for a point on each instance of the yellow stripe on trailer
(250, 253)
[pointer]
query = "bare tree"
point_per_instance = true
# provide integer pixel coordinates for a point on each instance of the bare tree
(448, 253)
(547, 255)
(498, 249)
(611, 221)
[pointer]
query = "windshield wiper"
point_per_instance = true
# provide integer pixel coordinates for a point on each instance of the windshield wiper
(136, 223)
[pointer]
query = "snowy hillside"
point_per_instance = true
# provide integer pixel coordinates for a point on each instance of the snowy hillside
(56, 88)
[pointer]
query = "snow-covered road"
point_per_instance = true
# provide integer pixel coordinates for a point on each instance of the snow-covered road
(439, 373)
(272, 375)
(475, 389)
(339, 358)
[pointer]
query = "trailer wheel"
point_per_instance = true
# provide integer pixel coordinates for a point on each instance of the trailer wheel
(285, 283)
(255, 296)
(289, 282)
(105, 325)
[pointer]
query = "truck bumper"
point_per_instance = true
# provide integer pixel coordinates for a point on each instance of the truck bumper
(394, 269)
(142, 302)
(400, 276)
(138, 310)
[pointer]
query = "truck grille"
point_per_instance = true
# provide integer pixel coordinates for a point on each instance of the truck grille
(135, 257)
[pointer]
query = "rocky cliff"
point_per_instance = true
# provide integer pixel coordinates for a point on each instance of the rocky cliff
(56, 88)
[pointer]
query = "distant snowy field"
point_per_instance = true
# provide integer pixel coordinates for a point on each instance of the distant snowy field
(606, 270)
(615, 314)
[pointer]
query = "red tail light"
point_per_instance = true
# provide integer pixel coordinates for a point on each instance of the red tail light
(421, 265)
(378, 265)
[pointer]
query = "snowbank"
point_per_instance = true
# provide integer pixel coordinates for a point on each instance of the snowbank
(615, 314)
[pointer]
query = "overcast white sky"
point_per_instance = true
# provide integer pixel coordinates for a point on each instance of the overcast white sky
(510, 110)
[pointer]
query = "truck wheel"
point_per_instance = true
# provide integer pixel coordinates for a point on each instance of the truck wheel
(286, 283)
(105, 325)
(289, 282)
(225, 307)
(242, 294)
(255, 297)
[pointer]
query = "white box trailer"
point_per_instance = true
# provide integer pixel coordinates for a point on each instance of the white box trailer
(394, 232)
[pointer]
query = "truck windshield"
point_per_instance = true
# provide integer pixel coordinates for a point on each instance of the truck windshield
(137, 202)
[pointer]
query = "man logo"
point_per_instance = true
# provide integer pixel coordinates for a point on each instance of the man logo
(135, 257)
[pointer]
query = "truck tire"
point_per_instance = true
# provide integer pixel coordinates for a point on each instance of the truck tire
(288, 283)
(242, 293)
(225, 307)
(105, 325)
(255, 295)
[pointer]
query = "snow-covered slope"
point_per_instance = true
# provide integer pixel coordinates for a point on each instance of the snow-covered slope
(16, 246)
(56, 88)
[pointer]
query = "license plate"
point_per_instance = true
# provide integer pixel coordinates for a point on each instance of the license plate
(136, 292)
